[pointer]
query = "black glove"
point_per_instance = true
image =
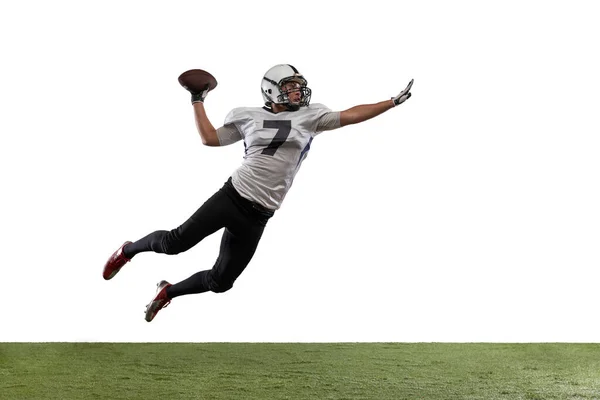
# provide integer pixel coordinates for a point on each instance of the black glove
(199, 97)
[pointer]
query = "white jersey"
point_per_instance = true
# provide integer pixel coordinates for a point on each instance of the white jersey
(275, 144)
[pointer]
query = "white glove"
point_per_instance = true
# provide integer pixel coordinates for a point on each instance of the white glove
(404, 95)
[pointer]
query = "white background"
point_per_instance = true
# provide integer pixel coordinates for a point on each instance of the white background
(470, 213)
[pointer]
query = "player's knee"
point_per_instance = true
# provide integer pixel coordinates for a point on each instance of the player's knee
(171, 248)
(219, 285)
(173, 244)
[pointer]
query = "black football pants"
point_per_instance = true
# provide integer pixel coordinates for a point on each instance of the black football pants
(244, 222)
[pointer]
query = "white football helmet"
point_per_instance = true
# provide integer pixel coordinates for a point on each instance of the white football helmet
(273, 81)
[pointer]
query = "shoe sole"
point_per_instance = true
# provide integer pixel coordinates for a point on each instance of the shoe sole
(113, 274)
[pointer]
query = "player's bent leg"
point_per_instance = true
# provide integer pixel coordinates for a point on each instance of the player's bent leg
(208, 219)
(235, 254)
(237, 249)
(243, 231)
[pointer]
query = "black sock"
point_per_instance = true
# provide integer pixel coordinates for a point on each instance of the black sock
(152, 242)
(196, 283)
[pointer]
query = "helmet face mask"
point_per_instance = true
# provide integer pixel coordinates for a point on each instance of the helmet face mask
(273, 83)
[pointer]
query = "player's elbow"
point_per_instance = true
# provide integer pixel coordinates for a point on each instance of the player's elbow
(208, 142)
(210, 139)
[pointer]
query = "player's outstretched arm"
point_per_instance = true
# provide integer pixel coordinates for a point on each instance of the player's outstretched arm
(207, 131)
(364, 112)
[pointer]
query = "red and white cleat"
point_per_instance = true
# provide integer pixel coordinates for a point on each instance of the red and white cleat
(159, 302)
(115, 262)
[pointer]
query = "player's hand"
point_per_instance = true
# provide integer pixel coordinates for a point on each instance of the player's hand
(404, 95)
(199, 97)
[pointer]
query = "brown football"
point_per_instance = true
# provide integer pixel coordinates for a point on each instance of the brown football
(195, 80)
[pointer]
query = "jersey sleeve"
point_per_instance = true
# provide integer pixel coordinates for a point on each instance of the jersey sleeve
(324, 119)
(234, 126)
(228, 134)
(329, 121)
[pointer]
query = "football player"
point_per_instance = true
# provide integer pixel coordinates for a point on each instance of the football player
(277, 138)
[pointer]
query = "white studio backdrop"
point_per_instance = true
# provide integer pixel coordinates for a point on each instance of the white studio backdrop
(469, 213)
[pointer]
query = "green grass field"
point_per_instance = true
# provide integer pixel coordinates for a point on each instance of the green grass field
(299, 371)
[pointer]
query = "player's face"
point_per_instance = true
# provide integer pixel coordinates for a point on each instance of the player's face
(292, 89)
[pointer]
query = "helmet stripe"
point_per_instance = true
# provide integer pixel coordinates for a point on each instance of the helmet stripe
(270, 80)
(292, 67)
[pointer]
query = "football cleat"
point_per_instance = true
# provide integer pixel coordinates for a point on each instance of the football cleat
(159, 302)
(115, 262)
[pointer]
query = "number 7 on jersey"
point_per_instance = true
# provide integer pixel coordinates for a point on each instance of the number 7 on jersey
(283, 131)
